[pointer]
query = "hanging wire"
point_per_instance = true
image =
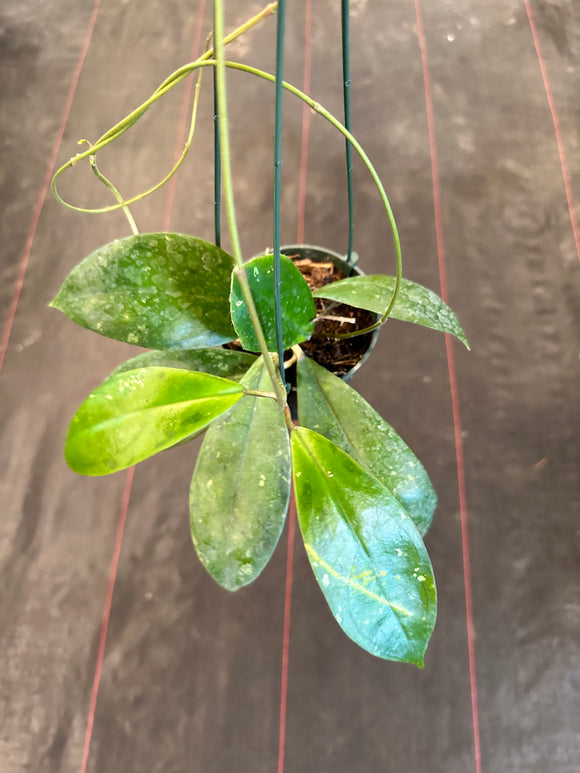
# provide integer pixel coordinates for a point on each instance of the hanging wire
(217, 166)
(280, 29)
(346, 96)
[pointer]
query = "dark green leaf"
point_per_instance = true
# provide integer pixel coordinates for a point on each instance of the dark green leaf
(332, 408)
(366, 553)
(414, 303)
(226, 363)
(298, 308)
(136, 414)
(161, 290)
(241, 487)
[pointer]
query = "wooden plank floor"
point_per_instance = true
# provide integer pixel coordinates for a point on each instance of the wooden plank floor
(470, 112)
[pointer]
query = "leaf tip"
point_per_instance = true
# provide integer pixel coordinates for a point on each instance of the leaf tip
(230, 584)
(460, 334)
(72, 462)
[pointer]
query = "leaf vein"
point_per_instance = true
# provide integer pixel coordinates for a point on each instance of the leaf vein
(355, 586)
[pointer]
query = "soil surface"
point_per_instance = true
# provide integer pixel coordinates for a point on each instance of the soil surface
(338, 355)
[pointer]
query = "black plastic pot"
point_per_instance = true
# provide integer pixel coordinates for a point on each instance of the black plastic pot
(323, 255)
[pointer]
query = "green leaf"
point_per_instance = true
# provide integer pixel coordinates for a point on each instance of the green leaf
(160, 290)
(334, 409)
(367, 555)
(136, 414)
(226, 363)
(414, 303)
(241, 487)
(298, 308)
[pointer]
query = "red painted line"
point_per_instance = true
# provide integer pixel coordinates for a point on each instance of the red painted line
(306, 113)
(292, 509)
(557, 130)
(454, 390)
(130, 475)
(185, 106)
(106, 617)
(25, 258)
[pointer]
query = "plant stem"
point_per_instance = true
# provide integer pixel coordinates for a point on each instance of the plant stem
(124, 125)
(178, 76)
(217, 168)
(318, 108)
(259, 393)
(345, 18)
(184, 71)
(280, 28)
(288, 418)
(220, 73)
(100, 144)
(114, 190)
(132, 117)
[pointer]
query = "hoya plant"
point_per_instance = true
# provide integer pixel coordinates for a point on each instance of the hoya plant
(222, 333)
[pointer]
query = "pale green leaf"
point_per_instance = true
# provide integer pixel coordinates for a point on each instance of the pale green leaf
(414, 303)
(159, 290)
(241, 487)
(136, 414)
(366, 553)
(337, 411)
(226, 363)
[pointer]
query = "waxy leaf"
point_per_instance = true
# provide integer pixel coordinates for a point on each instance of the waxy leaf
(414, 303)
(337, 411)
(226, 363)
(241, 487)
(366, 553)
(136, 414)
(160, 290)
(298, 308)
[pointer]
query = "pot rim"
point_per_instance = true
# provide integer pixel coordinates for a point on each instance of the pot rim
(350, 269)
